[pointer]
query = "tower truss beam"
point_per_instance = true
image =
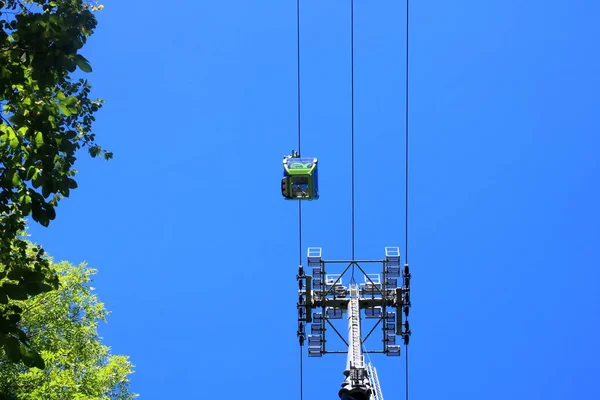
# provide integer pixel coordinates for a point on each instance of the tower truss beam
(357, 384)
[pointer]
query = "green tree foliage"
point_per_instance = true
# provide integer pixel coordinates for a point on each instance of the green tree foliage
(46, 117)
(62, 324)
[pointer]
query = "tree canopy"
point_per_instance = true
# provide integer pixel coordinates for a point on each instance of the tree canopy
(62, 325)
(46, 117)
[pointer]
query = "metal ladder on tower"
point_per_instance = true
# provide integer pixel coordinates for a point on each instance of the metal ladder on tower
(377, 394)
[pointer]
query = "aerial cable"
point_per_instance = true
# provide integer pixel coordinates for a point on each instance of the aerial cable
(299, 125)
(406, 369)
(298, 69)
(406, 143)
(299, 152)
(300, 263)
(301, 384)
(352, 116)
(406, 180)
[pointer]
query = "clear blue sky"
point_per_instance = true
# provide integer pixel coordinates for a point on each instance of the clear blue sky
(197, 251)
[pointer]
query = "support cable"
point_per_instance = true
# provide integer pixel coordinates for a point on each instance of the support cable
(299, 128)
(352, 101)
(299, 152)
(301, 383)
(406, 377)
(299, 232)
(406, 143)
(406, 177)
(298, 68)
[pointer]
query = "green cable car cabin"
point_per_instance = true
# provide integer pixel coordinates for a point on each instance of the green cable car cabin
(300, 178)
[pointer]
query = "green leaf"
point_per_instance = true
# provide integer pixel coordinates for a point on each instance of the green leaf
(22, 336)
(50, 212)
(5, 327)
(30, 357)
(30, 172)
(95, 151)
(14, 291)
(71, 184)
(70, 64)
(64, 108)
(43, 288)
(13, 139)
(36, 208)
(34, 288)
(17, 119)
(64, 189)
(70, 134)
(47, 188)
(26, 356)
(39, 139)
(38, 180)
(82, 63)
(16, 179)
(14, 318)
(26, 208)
(41, 217)
(70, 101)
(38, 361)
(15, 273)
(67, 146)
(12, 349)
(44, 220)
(3, 298)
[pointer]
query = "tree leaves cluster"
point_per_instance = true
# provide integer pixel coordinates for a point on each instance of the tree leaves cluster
(46, 116)
(63, 324)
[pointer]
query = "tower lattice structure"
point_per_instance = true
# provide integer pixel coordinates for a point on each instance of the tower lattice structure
(384, 297)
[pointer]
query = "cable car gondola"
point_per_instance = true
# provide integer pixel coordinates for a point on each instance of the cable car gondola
(300, 178)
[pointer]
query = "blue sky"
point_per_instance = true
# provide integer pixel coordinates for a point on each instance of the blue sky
(197, 251)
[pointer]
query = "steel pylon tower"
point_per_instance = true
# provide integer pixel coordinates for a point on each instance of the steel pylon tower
(323, 297)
